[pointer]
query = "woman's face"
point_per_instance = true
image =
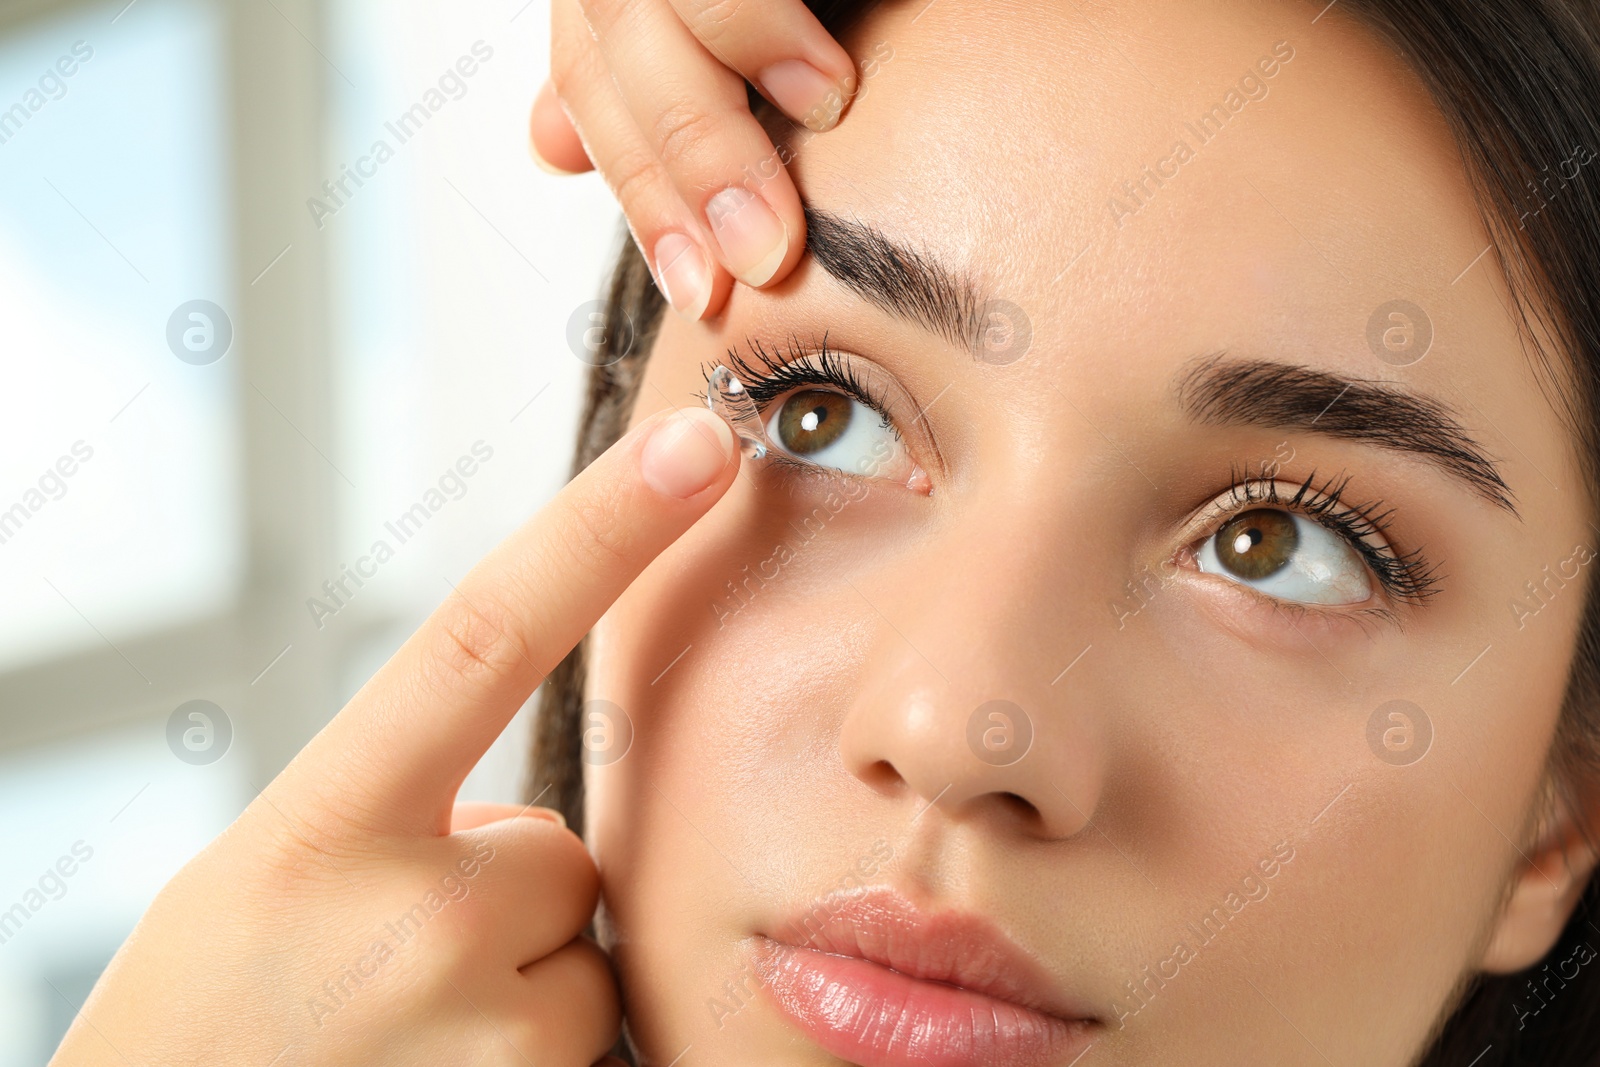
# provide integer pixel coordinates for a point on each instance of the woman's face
(1097, 727)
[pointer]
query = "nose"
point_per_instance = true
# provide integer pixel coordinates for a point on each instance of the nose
(973, 703)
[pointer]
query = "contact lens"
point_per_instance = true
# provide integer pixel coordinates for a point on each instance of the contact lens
(726, 395)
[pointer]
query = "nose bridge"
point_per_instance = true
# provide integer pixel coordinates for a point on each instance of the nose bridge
(965, 701)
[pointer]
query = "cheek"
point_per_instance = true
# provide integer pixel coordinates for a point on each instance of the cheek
(735, 667)
(1222, 748)
(719, 804)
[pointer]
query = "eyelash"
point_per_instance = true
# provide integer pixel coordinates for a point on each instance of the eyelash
(1408, 577)
(767, 375)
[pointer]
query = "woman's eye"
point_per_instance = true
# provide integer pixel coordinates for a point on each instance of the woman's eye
(1286, 555)
(830, 429)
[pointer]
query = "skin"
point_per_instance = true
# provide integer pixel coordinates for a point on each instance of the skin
(1184, 738)
(353, 913)
(772, 748)
(653, 94)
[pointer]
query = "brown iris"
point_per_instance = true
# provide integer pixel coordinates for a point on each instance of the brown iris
(812, 419)
(1257, 543)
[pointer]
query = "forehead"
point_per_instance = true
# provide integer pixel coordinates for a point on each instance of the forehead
(1173, 177)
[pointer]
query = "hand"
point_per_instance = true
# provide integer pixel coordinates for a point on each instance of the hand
(353, 914)
(652, 93)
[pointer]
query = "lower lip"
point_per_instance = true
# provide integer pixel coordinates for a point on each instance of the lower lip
(870, 1015)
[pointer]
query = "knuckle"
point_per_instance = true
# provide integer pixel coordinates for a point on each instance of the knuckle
(633, 178)
(560, 853)
(302, 847)
(471, 924)
(538, 1035)
(683, 132)
(588, 966)
(475, 640)
(451, 910)
(591, 972)
(714, 20)
(582, 974)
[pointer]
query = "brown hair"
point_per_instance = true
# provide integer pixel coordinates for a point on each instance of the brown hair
(1519, 83)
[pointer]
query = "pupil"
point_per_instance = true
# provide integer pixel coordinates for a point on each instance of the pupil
(813, 419)
(1258, 543)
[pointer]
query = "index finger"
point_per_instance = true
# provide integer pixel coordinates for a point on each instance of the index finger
(783, 50)
(406, 741)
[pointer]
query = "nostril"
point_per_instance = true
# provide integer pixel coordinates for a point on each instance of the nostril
(882, 776)
(1020, 807)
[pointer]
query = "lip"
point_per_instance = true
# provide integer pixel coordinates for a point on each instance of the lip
(875, 981)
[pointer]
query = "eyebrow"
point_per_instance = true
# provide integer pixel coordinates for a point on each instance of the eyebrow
(1223, 391)
(1219, 391)
(896, 277)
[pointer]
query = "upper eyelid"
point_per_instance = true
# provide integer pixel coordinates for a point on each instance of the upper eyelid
(799, 355)
(1306, 499)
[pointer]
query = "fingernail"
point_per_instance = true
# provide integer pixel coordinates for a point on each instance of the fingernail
(548, 814)
(753, 239)
(684, 275)
(686, 453)
(806, 94)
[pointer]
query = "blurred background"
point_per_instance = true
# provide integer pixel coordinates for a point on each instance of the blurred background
(279, 283)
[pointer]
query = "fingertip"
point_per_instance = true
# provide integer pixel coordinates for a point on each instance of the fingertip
(683, 272)
(687, 453)
(753, 239)
(553, 141)
(804, 93)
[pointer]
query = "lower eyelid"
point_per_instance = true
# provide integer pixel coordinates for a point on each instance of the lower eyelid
(1306, 620)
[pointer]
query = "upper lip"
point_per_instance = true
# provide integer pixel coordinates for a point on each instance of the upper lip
(956, 948)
